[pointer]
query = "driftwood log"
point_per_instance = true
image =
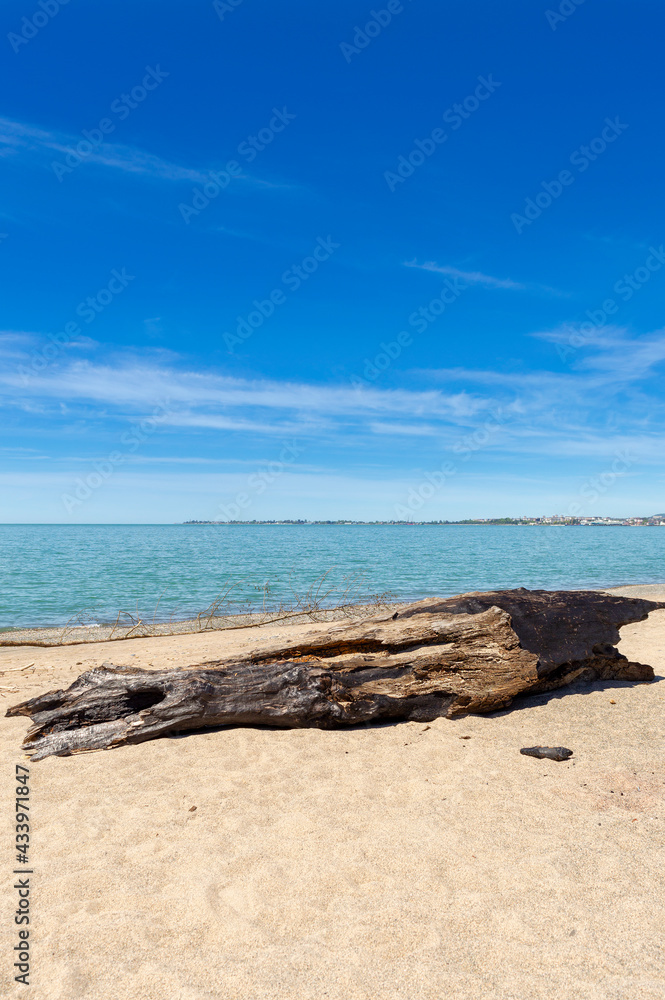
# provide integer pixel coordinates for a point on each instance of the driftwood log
(468, 654)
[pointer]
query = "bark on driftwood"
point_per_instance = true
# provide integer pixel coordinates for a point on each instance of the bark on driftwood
(468, 654)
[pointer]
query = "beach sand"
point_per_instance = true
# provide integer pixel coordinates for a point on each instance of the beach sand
(397, 861)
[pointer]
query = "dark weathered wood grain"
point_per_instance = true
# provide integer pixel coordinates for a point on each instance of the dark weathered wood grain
(467, 654)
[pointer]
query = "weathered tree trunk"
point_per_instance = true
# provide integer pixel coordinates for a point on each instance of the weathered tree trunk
(467, 654)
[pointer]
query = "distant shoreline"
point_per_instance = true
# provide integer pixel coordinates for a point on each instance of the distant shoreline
(653, 521)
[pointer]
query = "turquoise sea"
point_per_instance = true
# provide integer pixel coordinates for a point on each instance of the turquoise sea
(50, 573)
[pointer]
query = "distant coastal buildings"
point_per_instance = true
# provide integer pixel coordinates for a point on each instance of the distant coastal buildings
(562, 520)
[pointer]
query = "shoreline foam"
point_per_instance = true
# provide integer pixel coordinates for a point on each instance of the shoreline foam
(75, 635)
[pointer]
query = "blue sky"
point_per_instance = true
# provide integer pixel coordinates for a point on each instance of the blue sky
(302, 260)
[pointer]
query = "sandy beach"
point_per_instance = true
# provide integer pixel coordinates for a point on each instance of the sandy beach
(397, 861)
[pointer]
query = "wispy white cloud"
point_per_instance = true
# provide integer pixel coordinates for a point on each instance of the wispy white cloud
(470, 277)
(610, 351)
(15, 343)
(602, 403)
(42, 146)
(134, 384)
(16, 337)
(629, 360)
(20, 138)
(211, 421)
(410, 430)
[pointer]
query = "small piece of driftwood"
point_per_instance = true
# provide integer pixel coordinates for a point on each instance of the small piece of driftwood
(547, 753)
